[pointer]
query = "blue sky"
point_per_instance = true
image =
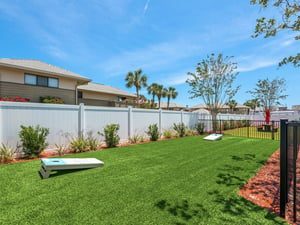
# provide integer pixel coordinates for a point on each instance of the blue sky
(104, 39)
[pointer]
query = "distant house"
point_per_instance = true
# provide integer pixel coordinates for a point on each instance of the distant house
(103, 95)
(33, 79)
(238, 109)
(172, 106)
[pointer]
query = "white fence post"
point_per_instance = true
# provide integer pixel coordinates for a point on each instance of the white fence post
(160, 121)
(181, 116)
(81, 120)
(130, 121)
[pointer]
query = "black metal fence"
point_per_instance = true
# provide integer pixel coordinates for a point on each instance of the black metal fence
(290, 170)
(244, 128)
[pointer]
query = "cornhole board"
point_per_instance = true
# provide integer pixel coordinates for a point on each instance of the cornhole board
(51, 164)
(213, 137)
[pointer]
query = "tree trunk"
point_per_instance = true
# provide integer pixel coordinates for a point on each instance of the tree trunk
(138, 98)
(168, 103)
(214, 120)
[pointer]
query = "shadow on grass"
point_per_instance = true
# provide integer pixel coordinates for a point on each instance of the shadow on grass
(63, 172)
(183, 210)
(239, 207)
(230, 176)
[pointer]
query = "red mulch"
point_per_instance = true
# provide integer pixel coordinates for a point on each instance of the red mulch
(264, 188)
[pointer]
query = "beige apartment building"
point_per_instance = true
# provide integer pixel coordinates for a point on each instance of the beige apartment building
(33, 79)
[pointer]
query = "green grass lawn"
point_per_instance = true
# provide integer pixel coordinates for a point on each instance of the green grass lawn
(179, 181)
(252, 133)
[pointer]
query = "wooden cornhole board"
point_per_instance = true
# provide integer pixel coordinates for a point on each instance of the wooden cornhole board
(50, 164)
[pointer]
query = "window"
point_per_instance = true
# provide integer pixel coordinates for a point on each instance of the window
(30, 79)
(52, 82)
(79, 94)
(119, 99)
(41, 81)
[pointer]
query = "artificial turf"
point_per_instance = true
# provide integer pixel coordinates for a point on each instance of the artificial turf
(179, 181)
(252, 133)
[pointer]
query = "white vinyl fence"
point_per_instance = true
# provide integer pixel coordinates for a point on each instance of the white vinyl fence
(68, 121)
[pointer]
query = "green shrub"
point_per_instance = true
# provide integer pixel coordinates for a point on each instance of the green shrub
(33, 140)
(168, 134)
(225, 125)
(200, 128)
(153, 132)
(79, 144)
(111, 137)
(180, 129)
(6, 154)
(51, 99)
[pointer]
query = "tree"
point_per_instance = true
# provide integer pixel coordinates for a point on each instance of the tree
(138, 80)
(152, 91)
(170, 93)
(213, 82)
(232, 104)
(252, 103)
(289, 20)
(160, 92)
(269, 92)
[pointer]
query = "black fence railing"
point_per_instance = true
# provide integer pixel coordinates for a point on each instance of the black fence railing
(290, 170)
(244, 128)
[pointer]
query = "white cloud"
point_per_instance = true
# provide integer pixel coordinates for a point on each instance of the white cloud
(146, 6)
(153, 57)
(56, 52)
(255, 63)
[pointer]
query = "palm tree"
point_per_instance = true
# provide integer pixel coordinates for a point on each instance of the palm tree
(171, 93)
(232, 104)
(160, 92)
(152, 91)
(138, 80)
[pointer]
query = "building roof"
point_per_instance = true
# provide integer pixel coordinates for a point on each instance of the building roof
(224, 106)
(101, 88)
(171, 105)
(41, 67)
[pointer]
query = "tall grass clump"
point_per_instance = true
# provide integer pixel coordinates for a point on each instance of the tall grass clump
(6, 153)
(180, 129)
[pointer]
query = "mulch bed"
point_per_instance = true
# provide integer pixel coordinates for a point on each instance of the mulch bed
(264, 188)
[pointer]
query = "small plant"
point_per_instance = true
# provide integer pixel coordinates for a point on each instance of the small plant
(6, 154)
(61, 149)
(111, 137)
(153, 132)
(190, 132)
(79, 144)
(33, 140)
(168, 134)
(135, 139)
(92, 143)
(200, 128)
(180, 129)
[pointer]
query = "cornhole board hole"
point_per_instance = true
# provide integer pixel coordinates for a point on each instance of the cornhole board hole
(51, 164)
(213, 137)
